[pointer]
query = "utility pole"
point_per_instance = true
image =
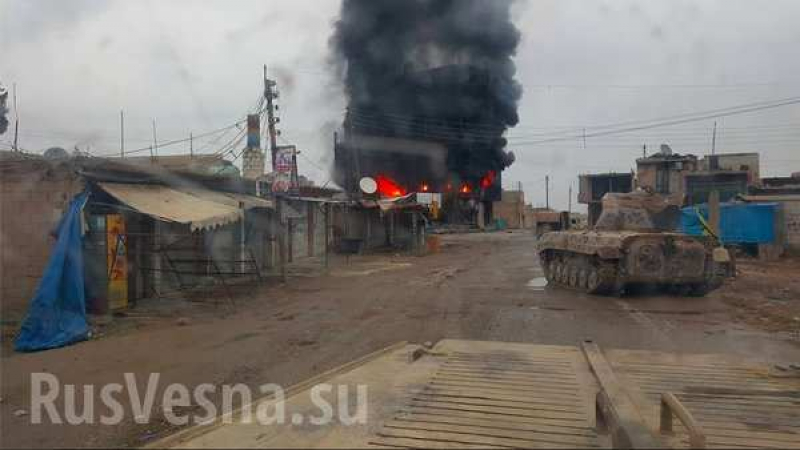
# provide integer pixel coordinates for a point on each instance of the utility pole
(294, 182)
(714, 139)
(16, 117)
(547, 191)
(584, 138)
(270, 94)
(521, 206)
(155, 140)
(569, 208)
(121, 134)
(191, 146)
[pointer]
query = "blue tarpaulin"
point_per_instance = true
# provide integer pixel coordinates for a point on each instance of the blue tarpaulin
(739, 223)
(57, 313)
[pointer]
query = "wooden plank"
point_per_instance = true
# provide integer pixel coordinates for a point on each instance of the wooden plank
(776, 402)
(500, 411)
(449, 411)
(536, 379)
(505, 381)
(496, 432)
(676, 386)
(461, 419)
(749, 408)
(541, 392)
(724, 441)
(628, 427)
(449, 436)
(705, 379)
(536, 356)
(472, 401)
(543, 370)
(764, 436)
(671, 406)
(522, 398)
(402, 442)
(678, 369)
(563, 364)
(556, 363)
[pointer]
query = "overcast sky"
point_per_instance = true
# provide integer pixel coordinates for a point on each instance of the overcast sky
(196, 66)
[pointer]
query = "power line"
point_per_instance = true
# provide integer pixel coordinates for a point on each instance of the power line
(713, 113)
(175, 141)
(677, 121)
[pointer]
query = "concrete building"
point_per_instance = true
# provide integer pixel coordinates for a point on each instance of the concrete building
(785, 191)
(34, 193)
(148, 230)
(510, 209)
(664, 172)
(152, 232)
(734, 162)
(592, 188)
(729, 184)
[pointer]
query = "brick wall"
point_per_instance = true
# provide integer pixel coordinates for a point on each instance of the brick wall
(33, 195)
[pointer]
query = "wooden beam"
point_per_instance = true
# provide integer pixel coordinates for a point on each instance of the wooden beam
(671, 405)
(616, 409)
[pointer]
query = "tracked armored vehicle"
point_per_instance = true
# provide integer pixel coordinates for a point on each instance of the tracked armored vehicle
(633, 244)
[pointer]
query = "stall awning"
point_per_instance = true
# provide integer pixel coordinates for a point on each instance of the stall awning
(198, 208)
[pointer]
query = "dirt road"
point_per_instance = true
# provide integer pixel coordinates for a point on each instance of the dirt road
(481, 286)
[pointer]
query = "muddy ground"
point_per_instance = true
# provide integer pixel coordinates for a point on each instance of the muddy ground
(481, 286)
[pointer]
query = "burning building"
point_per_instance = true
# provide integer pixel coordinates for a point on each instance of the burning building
(431, 92)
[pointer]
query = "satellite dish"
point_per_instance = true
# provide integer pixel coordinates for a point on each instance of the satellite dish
(368, 185)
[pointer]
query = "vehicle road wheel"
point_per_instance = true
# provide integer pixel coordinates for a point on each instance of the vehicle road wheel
(573, 277)
(593, 281)
(582, 279)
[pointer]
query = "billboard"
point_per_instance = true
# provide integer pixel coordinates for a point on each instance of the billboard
(284, 167)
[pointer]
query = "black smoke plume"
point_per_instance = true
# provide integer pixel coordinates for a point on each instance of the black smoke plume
(435, 69)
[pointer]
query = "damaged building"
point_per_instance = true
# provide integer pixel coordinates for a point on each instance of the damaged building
(429, 114)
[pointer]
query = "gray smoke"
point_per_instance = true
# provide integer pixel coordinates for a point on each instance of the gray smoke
(447, 59)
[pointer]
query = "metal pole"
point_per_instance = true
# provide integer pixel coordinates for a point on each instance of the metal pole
(155, 140)
(16, 118)
(327, 231)
(121, 134)
(281, 237)
(569, 209)
(714, 139)
(191, 146)
(270, 96)
(547, 191)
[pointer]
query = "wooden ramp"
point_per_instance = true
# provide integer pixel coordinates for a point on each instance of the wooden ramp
(485, 395)
(736, 404)
(476, 394)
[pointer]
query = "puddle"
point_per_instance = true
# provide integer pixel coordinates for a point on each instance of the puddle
(538, 283)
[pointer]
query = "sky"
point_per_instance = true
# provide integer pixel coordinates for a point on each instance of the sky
(195, 66)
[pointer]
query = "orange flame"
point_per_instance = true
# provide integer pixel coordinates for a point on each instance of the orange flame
(388, 187)
(488, 180)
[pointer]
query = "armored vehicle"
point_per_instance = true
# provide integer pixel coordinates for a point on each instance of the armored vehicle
(634, 243)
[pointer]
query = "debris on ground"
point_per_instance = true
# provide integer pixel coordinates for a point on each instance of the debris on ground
(766, 294)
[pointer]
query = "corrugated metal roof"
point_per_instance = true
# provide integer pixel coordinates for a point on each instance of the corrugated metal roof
(199, 208)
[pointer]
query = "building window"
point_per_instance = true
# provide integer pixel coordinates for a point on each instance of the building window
(662, 181)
